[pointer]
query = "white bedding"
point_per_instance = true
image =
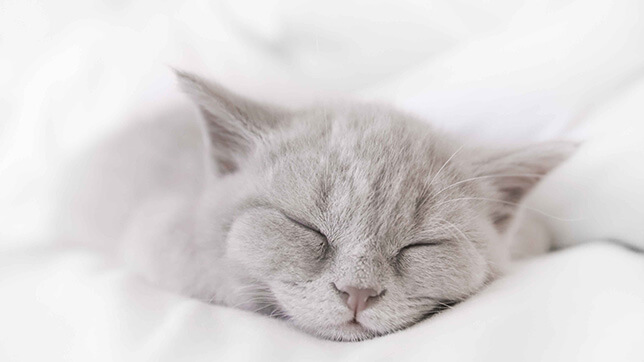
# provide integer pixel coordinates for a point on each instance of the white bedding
(505, 71)
(72, 305)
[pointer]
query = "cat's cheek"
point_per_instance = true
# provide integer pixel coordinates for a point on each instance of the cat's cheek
(444, 272)
(311, 306)
(249, 247)
(270, 248)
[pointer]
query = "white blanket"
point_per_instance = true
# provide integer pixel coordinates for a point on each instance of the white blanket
(509, 71)
(72, 305)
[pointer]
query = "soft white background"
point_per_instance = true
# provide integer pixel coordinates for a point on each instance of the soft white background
(492, 71)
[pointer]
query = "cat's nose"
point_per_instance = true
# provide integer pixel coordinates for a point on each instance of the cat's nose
(358, 298)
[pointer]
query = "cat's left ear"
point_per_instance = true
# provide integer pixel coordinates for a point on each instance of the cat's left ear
(513, 173)
(233, 124)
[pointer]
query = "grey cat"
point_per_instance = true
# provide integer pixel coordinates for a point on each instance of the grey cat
(349, 220)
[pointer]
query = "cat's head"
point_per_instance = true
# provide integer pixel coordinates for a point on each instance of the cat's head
(358, 220)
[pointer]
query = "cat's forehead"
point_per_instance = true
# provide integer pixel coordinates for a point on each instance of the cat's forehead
(373, 171)
(358, 136)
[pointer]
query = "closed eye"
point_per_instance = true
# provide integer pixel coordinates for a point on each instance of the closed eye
(423, 244)
(304, 225)
(323, 245)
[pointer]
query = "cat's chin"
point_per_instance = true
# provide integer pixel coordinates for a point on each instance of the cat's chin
(350, 331)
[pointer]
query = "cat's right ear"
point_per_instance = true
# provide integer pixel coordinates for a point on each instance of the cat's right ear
(233, 124)
(514, 172)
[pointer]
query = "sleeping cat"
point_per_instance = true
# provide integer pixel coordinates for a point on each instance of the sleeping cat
(350, 221)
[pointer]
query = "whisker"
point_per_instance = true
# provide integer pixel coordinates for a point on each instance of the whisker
(456, 228)
(448, 305)
(436, 309)
(510, 203)
(445, 164)
(527, 175)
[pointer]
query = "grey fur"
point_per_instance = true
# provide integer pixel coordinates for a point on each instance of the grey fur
(301, 201)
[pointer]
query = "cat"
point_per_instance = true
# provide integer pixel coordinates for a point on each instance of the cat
(350, 220)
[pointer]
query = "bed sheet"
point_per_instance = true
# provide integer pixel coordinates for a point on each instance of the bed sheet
(580, 304)
(509, 71)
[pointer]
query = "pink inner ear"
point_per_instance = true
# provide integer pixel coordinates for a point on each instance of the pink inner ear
(225, 166)
(518, 171)
(511, 190)
(514, 194)
(233, 123)
(502, 221)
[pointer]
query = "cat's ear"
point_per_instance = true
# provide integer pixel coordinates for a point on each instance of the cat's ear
(513, 173)
(233, 124)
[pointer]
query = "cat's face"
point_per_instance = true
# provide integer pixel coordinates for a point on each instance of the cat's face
(359, 220)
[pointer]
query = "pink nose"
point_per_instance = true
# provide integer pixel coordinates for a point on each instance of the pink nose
(358, 298)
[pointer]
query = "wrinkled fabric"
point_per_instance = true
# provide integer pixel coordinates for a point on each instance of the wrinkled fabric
(501, 72)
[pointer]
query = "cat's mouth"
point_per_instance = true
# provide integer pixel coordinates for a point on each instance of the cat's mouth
(353, 330)
(353, 323)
